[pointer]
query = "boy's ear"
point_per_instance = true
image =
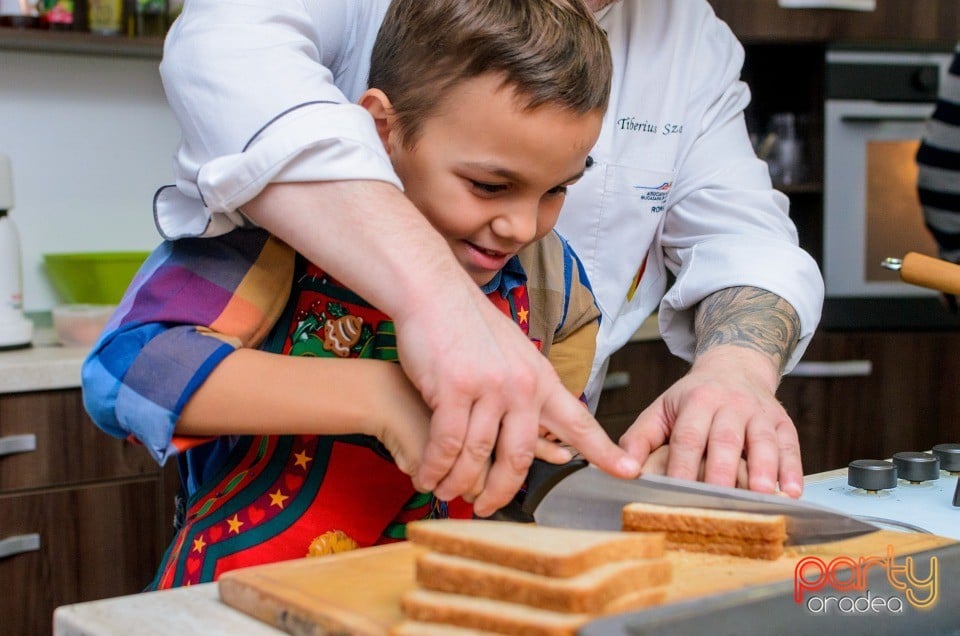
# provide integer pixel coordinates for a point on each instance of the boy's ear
(379, 106)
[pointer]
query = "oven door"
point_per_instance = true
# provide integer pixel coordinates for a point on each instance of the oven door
(871, 207)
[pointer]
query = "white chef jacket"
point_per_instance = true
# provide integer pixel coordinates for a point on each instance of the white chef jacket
(265, 91)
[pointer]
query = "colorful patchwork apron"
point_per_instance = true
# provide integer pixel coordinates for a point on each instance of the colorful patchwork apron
(285, 497)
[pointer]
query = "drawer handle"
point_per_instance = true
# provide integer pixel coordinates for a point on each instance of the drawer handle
(839, 369)
(18, 544)
(17, 444)
(616, 380)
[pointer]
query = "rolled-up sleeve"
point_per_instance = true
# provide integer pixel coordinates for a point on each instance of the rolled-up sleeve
(193, 303)
(727, 227)
(256, 89)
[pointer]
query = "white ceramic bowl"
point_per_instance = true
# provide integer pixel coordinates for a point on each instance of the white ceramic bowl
(80, 325)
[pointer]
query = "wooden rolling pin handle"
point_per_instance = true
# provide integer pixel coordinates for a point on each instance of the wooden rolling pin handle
(933, 273)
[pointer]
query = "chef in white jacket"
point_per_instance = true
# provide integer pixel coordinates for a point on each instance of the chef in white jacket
(264, 92)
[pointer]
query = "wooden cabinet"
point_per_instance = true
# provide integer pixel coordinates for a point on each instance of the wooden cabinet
(908, 401)
(891, 21)
(82, 516)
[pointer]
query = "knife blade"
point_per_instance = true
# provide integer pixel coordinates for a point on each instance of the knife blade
(577, 495)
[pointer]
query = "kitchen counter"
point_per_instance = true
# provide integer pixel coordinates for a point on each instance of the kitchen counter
(188, 610)
(185, 610)
(45, 365)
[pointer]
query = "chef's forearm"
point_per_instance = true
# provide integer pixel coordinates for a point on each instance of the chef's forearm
(368, 235)
(750, 318)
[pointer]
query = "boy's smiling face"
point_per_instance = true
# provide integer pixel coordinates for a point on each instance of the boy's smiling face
(488, 174)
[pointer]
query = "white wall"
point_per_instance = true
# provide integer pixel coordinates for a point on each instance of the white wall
(90, 140)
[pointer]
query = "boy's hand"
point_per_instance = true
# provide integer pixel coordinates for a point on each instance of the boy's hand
(403, 422)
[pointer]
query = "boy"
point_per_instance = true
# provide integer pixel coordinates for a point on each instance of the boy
(487, 111)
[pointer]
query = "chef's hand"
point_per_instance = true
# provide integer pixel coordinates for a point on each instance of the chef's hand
(656, 464)
(401, 422)
(724, 406)
(490, 391)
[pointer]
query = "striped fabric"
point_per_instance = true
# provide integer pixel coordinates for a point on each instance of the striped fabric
(938, 160)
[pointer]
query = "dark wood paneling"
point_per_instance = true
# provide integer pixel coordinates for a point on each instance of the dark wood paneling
(70, 449)
(892, 21)
(102, 507)
(95, 542)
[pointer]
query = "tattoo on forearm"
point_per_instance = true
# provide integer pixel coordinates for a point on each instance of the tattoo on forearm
(748, 317)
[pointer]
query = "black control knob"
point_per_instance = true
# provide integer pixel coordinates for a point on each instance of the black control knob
(949, 456)
(925, 80)
(917, 467)
(871, 474)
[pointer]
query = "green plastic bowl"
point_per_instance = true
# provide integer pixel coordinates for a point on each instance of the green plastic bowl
(95, 278)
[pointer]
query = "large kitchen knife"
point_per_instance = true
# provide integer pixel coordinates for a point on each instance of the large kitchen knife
(577, 495)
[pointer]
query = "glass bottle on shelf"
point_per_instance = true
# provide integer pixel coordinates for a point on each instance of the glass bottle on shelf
(105, 17)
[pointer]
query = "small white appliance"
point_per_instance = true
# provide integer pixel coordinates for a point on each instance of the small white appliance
(15, 329)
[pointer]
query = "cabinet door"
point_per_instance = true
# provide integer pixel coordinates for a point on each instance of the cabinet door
(94, 542)
(68, 447)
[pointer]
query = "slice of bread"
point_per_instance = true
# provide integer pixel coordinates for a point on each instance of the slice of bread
(557, 552)
(588, 592)
(745, 526)
(769, 550)
(751, 535)
(489, 615)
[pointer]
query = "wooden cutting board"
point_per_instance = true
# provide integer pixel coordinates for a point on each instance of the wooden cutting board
(359, 592)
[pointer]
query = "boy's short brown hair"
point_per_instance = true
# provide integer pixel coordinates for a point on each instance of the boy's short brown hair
(549, 51)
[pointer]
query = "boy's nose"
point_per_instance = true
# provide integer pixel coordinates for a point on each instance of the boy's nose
(519, 224)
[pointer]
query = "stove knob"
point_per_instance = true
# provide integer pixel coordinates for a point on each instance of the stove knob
(949, 456)
(917, 467)
(871, 474)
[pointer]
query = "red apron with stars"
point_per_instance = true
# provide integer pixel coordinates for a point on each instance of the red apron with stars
(286, 497)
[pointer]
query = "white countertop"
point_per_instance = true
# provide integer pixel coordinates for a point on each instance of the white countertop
(183, 611)
(45, 365)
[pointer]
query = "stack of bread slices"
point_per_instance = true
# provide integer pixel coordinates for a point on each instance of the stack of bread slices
(742, 534)
(516, 578)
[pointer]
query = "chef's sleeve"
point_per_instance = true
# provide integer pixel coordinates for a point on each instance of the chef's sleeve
(726, 226)
(252, 89)
(193, 303)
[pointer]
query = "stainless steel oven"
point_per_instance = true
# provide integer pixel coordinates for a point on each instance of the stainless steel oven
(875, 108)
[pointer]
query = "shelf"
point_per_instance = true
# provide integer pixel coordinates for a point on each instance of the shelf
(74, 43)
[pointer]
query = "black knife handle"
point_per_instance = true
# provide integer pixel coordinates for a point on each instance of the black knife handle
(543, 476)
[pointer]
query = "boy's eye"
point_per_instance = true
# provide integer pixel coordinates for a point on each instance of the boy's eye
(488, 188)
(558, 191)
